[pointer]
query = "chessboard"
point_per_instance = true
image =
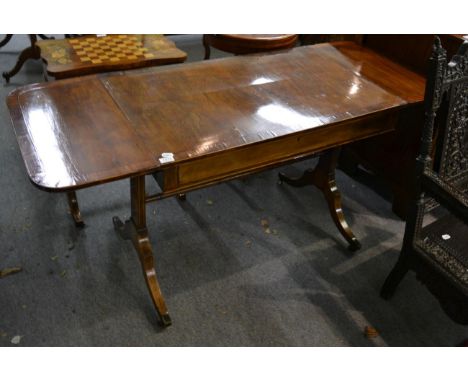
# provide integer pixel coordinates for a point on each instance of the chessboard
(110, 48)
(78, 56)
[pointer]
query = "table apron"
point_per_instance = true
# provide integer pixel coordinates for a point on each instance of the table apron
(226, 165)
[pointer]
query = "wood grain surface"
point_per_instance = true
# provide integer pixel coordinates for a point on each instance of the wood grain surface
(220, 118)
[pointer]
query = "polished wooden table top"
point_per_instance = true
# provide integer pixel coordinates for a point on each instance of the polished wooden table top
(96, 54)
(84, 131)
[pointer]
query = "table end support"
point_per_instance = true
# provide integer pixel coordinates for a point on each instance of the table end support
(75, 209)
(323, 177)
(135, 229)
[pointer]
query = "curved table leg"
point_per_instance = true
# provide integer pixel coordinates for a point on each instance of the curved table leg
(30, 52)
(44, 37)
(6, 40)
(74, 208)
(135, 230)
(323, 177)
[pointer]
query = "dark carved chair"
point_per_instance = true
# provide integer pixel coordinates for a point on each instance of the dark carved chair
(437, 250)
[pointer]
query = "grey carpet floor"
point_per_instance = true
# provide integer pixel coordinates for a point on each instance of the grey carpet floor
(226, 281)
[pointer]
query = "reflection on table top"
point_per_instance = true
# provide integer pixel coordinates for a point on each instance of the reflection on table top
(83, 131)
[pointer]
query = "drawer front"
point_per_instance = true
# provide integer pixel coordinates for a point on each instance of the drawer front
(227, 165)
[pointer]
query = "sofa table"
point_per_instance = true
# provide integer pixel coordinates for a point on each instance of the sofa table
(203, 123)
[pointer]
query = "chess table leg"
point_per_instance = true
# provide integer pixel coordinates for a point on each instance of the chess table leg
(75, 209)
(6, 40)
(323, 177)
(135, 229)
(44, 37)
(32, 52)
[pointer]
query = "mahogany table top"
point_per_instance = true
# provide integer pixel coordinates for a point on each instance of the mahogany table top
(83, 131)
(72, 57)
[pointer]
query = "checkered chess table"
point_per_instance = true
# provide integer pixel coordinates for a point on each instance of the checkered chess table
(95, 54)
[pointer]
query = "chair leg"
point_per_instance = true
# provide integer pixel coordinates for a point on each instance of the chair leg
(394, 278)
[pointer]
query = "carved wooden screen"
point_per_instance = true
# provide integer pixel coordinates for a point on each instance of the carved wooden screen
(450, 102)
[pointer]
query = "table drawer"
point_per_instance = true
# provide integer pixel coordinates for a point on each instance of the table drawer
(230, 164)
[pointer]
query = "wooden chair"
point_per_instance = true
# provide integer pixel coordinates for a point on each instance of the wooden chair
(438, 251)
(248, 43)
